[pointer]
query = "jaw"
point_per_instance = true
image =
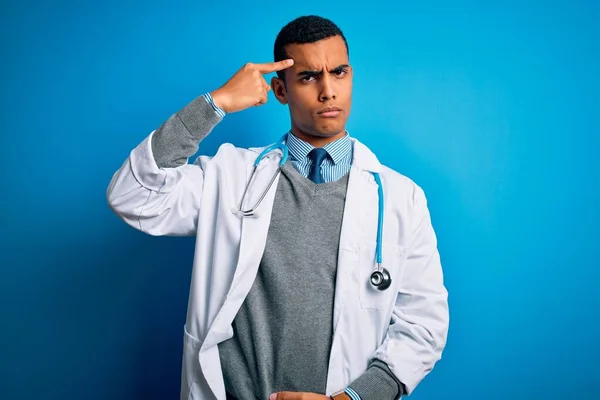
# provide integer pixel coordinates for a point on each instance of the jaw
(318, 137)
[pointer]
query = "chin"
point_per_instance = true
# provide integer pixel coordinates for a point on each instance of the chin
(330, 130)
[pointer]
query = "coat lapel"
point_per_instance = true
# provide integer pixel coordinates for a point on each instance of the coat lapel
(252, 245)
(254, 231)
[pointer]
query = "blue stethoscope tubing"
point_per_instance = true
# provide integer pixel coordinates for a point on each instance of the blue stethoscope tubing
(380, 278)
(280, 145)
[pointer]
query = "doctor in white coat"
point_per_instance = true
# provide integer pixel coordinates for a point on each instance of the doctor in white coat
(156, 190)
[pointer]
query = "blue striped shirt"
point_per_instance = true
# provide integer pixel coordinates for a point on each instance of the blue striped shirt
(334, 167)
(209, 99)
(353, 395)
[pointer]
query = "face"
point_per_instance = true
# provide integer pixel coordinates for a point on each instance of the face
(318, 89)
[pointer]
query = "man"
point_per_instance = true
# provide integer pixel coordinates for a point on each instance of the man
(281, 304)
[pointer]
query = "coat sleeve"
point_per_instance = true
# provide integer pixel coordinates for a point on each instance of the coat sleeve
(419, 323)
(155, 190)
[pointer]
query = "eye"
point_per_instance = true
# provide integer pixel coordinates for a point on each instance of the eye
(340, 72)
(308, 78)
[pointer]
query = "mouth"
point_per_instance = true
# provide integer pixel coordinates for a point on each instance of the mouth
(329, 112)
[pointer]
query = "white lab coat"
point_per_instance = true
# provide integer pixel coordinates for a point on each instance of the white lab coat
(404, 326)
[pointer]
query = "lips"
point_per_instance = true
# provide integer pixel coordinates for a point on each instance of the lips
(329, 112)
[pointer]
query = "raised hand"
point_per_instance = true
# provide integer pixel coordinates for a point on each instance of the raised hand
(247, 87)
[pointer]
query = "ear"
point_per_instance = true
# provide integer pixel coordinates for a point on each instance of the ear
(279, 90)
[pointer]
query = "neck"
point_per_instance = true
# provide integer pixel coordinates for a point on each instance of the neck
(317, 141)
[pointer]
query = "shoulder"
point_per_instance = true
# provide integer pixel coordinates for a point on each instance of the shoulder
(399, 184)
(396, 184)
(228, 154)
(231, 149)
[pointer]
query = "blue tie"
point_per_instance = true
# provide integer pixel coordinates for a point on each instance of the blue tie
(317, 156)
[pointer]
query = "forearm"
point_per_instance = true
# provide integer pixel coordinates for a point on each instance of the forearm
(178, 138)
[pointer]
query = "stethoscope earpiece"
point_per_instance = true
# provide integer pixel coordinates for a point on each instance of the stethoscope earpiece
(381, 279)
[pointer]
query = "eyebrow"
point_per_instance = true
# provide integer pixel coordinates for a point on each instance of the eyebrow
(317, 73)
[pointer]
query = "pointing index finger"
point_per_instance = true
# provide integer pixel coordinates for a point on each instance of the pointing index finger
(267, 68)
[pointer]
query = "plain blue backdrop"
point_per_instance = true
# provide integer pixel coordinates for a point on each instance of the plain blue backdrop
(492, 109)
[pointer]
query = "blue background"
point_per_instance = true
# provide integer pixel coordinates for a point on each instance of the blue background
(492, 109)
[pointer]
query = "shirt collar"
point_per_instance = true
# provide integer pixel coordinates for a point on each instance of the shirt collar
(338, 150)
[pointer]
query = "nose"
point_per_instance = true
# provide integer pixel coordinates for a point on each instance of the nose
(327, 89)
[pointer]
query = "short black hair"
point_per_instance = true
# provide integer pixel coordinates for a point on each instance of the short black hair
(306, 29)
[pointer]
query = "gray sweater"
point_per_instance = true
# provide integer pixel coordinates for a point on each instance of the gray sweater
(283, 331)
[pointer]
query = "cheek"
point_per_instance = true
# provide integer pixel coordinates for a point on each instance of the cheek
(347, 89)
(298, 105)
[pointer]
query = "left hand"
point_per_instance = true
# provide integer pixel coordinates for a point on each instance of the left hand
(298, 396)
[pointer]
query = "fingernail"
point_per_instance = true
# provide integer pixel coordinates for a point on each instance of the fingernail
(273, 396)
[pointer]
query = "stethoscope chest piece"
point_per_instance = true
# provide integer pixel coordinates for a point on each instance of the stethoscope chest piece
(381, 279)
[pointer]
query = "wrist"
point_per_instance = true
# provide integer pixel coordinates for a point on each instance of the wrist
(220, 99)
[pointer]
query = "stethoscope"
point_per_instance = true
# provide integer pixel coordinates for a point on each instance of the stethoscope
(380, 278)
